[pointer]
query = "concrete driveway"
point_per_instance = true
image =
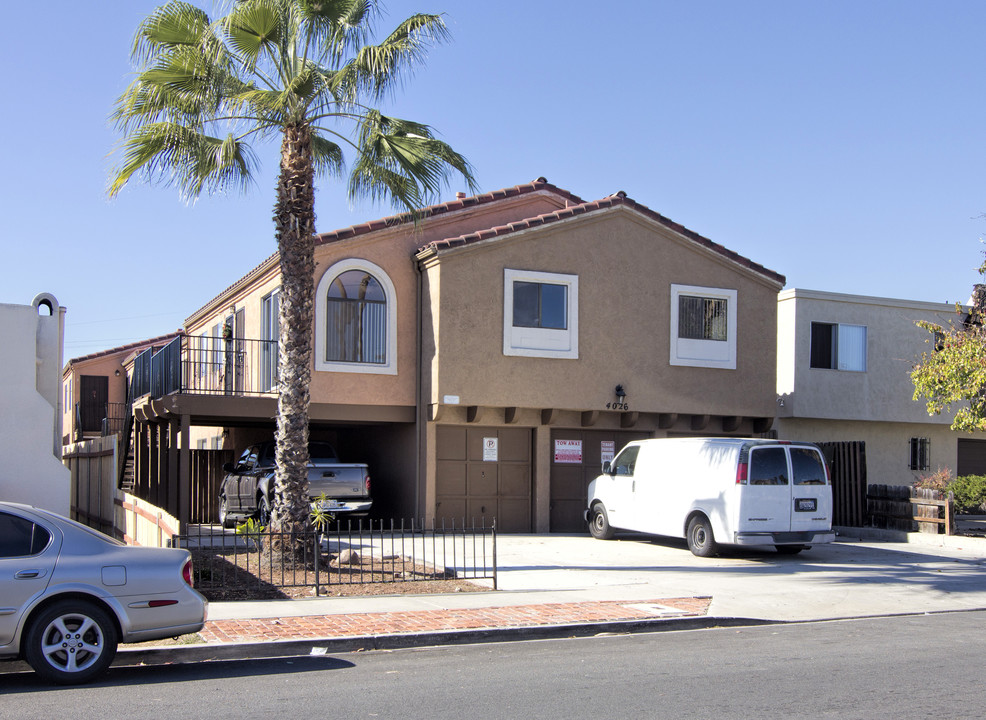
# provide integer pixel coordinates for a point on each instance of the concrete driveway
(850, 578)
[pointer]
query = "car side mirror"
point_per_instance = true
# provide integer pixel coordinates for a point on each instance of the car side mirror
(607, 467)
(228, 467)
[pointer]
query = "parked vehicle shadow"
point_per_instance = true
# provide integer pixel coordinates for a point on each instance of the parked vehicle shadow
(27, 681)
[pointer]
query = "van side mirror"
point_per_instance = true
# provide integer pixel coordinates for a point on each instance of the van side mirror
(607, 467)
(228, 467)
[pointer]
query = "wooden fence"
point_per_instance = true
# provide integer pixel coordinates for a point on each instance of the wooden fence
(92, 467)
(904, 508)
(847, 463)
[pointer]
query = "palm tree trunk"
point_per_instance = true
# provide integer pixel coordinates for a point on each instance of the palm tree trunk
(294, 218)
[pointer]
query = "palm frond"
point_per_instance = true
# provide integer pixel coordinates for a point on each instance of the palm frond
(327, 157)
(379, 68)
(255, 29)
(396, 154)
(179, 156)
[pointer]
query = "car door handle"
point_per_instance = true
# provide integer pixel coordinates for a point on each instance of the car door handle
(28, 574)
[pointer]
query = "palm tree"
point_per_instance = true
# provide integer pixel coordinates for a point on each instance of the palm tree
(303, 71)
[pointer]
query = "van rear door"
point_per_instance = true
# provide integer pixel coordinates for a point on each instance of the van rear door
(765, 501)
(811, 492)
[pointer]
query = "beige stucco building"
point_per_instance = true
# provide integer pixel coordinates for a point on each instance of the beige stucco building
(843, 374)
(484, 360)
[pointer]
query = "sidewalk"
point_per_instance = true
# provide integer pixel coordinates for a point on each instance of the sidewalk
(561, 586)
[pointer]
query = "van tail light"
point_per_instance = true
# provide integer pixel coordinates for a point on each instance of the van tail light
(741, 473)
(367, 483)
(186, 572)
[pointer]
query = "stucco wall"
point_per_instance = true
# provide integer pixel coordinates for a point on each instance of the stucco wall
(30, 398)
(887, 448)
(894, 344)
(625, 265)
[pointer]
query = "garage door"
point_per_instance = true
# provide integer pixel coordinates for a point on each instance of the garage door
(576, 460)
(484, 473)
(972, 457)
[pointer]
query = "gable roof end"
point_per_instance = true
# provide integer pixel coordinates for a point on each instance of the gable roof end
(617, 200)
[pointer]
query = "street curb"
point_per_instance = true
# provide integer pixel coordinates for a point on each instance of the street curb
(357, 643)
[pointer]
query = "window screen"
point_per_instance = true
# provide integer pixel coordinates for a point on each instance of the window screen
(540, 305)
(702, 318)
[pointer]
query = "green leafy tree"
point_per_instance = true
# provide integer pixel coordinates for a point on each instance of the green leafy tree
(305, 73)
(953, 373)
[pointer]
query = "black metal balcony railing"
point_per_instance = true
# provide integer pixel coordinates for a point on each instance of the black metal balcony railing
(208, 365)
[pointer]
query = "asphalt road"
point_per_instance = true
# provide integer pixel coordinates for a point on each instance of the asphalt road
(895, 667)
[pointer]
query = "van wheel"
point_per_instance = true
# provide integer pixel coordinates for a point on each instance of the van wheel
(699, 536)
(599, 526)
(789, 549)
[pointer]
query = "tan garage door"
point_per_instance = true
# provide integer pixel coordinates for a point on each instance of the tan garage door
(576, 460)
(484, 473)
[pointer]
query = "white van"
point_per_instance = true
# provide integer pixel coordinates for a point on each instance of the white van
(712, 491)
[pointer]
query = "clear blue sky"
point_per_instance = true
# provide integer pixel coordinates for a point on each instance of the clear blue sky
(841, 144)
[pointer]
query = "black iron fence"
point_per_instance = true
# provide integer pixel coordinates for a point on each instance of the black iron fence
(258, 565)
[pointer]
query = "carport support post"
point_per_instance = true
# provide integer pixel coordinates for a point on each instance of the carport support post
(542, 478)
(185, 473)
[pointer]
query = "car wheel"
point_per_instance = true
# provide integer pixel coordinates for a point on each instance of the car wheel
(700, 539)
(263, 511)
(599, 526)
(789, 549)
(224, 518)
(72, 641)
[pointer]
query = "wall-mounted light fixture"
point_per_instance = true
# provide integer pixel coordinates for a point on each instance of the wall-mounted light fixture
(620, 392)
(117, 372)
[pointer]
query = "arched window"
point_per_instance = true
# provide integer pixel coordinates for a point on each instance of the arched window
(356, 332)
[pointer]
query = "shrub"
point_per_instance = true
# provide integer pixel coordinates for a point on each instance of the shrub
(940, 480)
(970, 493)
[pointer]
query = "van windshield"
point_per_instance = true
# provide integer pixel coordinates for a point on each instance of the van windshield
(768, 466)
(625, 461)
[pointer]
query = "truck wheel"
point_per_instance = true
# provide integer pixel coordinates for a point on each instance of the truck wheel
(263, 511)
(224, 518)
(699, 536)
(71, 642)
(599, 526)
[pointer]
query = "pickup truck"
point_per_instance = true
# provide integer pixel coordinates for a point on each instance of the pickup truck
(247, 490)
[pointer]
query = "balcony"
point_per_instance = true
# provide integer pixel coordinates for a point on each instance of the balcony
(194, 365)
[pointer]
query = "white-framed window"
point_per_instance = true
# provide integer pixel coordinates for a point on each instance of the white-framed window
(703, 327)
(356, 319)
(835, 346)
(540, 314)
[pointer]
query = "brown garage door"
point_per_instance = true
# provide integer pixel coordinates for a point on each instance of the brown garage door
(576, 460)
(971, 457)
(484, 473)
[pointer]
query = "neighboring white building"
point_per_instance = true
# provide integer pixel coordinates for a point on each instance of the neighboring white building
(30, 399)
(843, 374)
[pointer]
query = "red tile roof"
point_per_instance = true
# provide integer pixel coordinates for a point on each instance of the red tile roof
(460, 203)
(159, 340)
(619, 199)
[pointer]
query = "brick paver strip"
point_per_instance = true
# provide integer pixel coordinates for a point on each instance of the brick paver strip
(390, 623)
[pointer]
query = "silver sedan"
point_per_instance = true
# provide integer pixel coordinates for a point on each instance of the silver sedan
(69, 594)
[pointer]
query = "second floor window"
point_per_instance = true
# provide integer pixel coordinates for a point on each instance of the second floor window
(540, 314)
(356, 319)
(838, 347)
